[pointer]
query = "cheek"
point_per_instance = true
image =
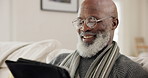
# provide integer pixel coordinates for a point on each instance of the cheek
(99, 28)
(104, 25)
(102, 28)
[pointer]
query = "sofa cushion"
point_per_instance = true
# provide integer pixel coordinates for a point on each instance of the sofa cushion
(33, 51)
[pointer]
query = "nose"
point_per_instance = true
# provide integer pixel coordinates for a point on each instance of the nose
(85, 28)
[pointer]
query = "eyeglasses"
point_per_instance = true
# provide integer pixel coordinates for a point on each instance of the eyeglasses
(90, 21)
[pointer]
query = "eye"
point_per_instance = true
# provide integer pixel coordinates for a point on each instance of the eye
(91, 24)
(80, 22)
(91, 21)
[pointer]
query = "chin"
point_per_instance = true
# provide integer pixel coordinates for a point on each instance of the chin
(90, 49)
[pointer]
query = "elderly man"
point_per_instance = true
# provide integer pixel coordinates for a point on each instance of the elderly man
(97, 55)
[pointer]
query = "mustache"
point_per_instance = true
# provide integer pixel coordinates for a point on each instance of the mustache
(87, 33)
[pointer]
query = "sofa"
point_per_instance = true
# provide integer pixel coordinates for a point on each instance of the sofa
(43, 51)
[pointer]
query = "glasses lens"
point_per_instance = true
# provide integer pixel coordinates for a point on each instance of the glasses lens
(91, 22)
(78, 22)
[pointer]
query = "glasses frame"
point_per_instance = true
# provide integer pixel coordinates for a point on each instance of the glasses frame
(98, 20)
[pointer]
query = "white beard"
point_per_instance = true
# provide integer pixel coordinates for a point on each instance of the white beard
(90, 50)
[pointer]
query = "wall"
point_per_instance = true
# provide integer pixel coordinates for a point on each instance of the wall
(30, 23)
(144, 19)
(130, 25)
(4, 20)
(133, 24)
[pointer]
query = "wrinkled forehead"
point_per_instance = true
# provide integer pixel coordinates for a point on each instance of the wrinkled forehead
(91, 10)
(94, 7)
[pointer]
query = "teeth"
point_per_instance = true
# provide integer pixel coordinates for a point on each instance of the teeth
(88, 36)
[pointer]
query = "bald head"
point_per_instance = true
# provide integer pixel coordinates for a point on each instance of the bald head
(106, 7)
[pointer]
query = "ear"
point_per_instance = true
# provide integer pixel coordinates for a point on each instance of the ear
(115, 23)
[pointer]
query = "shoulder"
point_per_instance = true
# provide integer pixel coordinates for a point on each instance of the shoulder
(128, 68)
(57, 60)
(127, 63)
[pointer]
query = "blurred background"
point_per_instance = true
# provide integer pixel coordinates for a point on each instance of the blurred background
(23, 20)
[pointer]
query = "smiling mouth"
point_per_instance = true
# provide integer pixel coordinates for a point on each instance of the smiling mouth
(88, 38)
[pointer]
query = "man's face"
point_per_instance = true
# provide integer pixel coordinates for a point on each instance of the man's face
(88, 35)
(96, 38)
